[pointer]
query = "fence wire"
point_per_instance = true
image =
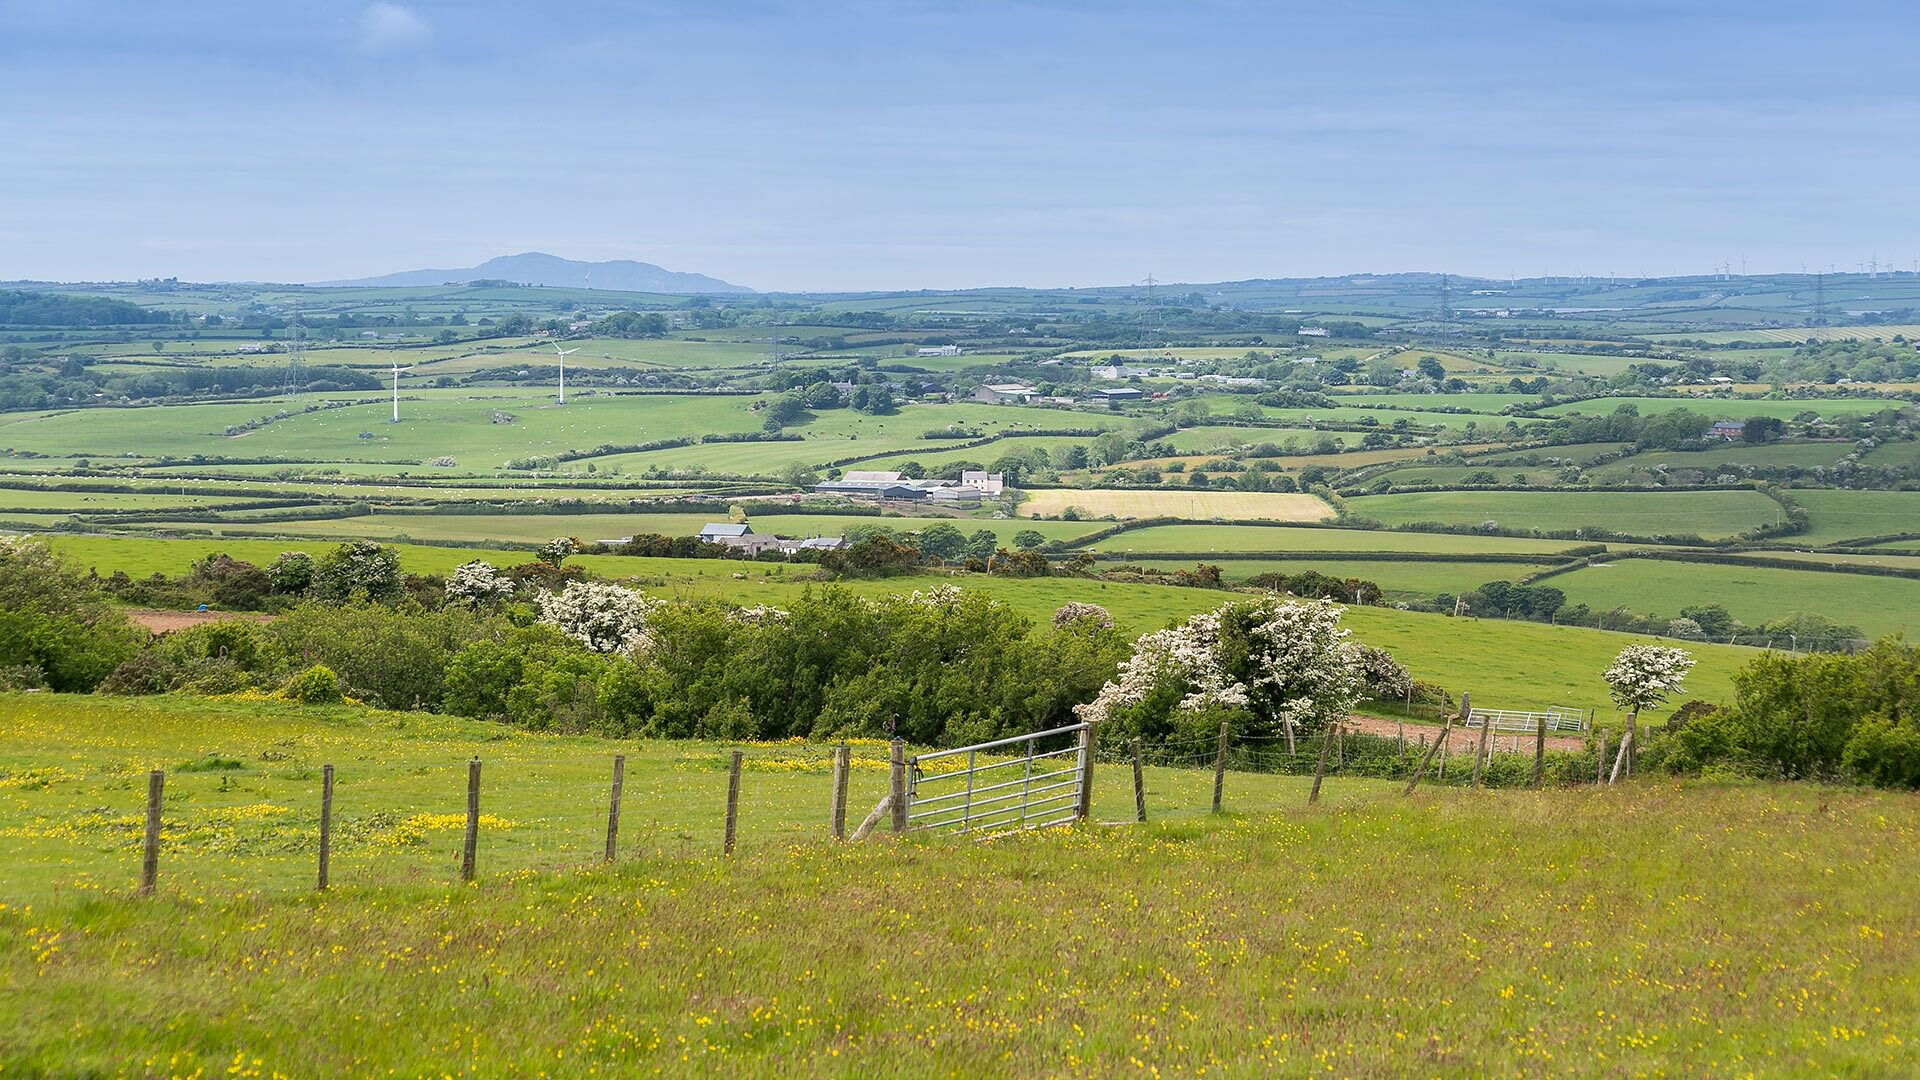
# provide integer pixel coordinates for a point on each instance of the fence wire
(230, 827)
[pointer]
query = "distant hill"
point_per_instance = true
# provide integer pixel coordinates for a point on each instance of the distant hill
(538, 268)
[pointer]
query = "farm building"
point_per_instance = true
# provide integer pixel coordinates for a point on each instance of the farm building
(719, 532)
(1002, 393)
(1728, 429)
(938, 350)
(989, 484)
(892, 485)
(1120, 393)
(1115, 372)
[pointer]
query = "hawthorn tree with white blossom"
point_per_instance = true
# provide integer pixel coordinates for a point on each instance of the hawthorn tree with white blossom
(1267, 667)
(478, 584)
(1643, 677)
(604, 617)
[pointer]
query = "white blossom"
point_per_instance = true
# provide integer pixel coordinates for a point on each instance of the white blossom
(1303, 668)
(478, 583)
(1643, 675)
(1382, 675)
(602, 616)
(1087, 616)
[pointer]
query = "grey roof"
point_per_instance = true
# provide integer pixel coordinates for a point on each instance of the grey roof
(718, 529)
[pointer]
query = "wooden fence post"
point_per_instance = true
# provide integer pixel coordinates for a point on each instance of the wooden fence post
(897, 783)
(1085, 808)
(842, 764)
(1620, 756)
(1480, 747)
(150, 851)
(1540, 752)
(613, 806)
(1139, 785)
(326, 821)
(473, 820)
(1320, 767)
(1220, 767)
(1600, 769)
(733, 797)
(1439, 741)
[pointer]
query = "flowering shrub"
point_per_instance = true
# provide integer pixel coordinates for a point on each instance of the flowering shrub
(1283, 664)
(477, 584)
(1082, 616)
(1643, 676)
(361, 567)
(1382, 675)
(291, 572)
(555, 551)
(602, 616)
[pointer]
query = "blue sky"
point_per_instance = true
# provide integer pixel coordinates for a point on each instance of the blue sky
(931, 144)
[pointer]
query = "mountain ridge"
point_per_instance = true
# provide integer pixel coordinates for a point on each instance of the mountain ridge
(540, 268)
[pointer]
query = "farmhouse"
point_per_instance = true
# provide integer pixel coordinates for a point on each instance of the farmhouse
(989, 484)
(1002, 393)
(1313, 331)
(938, 350)
(1728, 429)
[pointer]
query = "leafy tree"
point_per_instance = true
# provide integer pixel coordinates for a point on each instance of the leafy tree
(357, 568)
(1029, 539)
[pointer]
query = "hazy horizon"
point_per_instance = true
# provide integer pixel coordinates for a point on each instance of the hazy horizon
(936, 145)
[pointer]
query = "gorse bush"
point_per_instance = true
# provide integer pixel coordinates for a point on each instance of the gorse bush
(315, 686)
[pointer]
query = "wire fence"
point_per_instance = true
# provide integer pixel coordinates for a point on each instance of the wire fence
(217, 826)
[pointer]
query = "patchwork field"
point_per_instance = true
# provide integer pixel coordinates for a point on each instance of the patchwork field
(1225, 505)
(1848, 515)
(1282, 538)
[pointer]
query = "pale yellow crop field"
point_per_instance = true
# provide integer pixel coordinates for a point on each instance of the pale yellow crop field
(1221, 505)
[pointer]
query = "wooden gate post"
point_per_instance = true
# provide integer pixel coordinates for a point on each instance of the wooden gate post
(842, 764)
(733, 797)
(1480, 747)
(473, 820)
(1439, 741)
(150, 850)
(1540, 752)
(613, 806)
(326, 821)
(1139, 785)
(1320, 767)
(1220, 767)
(897, 783)
(1085, 808)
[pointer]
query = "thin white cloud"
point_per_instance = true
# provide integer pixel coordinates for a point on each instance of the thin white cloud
(386, 28)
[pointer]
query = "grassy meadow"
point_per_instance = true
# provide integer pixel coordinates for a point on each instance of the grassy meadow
(1708, 514)
(1755, 595)
(1176, 502)
(1654, 928)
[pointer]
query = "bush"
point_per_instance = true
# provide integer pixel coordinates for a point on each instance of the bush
(358, 569)
(394, 658)
(1817, 716)
(148, 671)
(317, 685)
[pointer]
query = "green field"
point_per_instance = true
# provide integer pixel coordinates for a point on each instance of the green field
(1878, 605)
(1223, 537)
(1850, 515)
(1743, 929)
(1806, 455)
(1731, 408)
(1396, 577)
(1708, 514)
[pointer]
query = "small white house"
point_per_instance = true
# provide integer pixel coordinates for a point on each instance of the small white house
(992, 485)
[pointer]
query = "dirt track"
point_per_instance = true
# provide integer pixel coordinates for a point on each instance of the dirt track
(1503, 742)
(166, 622)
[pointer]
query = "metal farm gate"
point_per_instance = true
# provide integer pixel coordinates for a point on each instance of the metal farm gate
(1558, 718)
(1003, 786)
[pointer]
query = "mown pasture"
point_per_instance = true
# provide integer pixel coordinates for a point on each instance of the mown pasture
(1176, 502)
(1850, 515)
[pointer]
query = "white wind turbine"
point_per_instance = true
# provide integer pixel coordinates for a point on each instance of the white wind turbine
(564, 353)
(397, 370)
